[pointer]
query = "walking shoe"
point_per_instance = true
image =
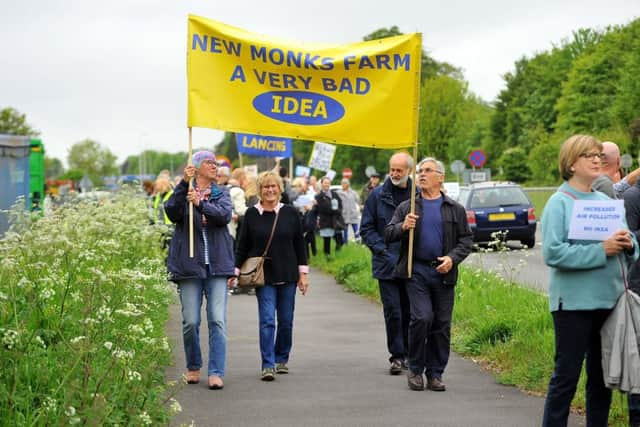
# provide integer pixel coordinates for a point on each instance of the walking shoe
(192, 377)
(268, 374)
(405, 365)
(396, 367)
(215, 382)
(415, 381)
(282, 368)
(435, 384)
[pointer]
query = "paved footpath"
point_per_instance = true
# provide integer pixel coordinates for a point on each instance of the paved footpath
(338, 375)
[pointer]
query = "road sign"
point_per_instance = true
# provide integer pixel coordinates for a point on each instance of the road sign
(626, 160)
(477, 158)
(347, 173)
(457, 167)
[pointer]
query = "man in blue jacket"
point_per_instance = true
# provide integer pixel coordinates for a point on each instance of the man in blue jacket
(378, 211)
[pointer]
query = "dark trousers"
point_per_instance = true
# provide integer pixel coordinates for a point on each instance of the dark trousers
(395, 305)
(431, 305)
(310, 243)
(634, 410)
(577, 334)
(327, 242)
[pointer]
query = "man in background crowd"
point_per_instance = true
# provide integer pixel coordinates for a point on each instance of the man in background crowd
(374, 182)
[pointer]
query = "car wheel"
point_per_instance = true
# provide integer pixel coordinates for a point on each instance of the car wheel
(530, 243)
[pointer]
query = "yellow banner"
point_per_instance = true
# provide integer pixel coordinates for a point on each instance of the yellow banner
(364, 94)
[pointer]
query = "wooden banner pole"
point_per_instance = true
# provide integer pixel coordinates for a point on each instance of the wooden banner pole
(189, 163)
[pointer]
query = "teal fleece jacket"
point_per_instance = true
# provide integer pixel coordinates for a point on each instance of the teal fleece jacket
(582, 276)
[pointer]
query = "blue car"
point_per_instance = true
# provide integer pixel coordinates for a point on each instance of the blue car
(499, 206)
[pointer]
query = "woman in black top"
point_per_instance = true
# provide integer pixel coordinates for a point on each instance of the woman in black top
(285, 268)
(329, 210)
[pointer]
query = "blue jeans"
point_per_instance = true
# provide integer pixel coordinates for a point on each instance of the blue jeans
(430, 326)
(395, 306)
(215, 290)
(276, 340)
(577, 334)
(345, 232)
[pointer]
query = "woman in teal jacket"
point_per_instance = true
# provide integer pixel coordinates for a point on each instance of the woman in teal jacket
(585, 283)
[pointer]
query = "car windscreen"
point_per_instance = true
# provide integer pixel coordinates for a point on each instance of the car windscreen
(498, 196)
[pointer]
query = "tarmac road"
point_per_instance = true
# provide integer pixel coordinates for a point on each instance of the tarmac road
(518, 264)
(338, 375)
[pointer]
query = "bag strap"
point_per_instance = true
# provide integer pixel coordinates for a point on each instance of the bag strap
(273, 230)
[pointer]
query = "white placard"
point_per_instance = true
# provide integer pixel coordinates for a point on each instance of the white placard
(251, 170)
(322, 156)
(596, 219)
(330, 174)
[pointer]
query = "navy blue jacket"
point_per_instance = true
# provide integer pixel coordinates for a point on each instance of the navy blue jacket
(377, 213)
(217, 210)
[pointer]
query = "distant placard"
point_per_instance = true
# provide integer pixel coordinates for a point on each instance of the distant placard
(251, 170)
(596, 219)
(322, 156)
(304, 171)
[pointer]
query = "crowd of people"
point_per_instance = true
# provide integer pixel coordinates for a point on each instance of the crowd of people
(238, 216)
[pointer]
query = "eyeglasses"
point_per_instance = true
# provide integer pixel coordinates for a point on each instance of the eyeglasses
(210, 163)
(591, 156)
(429, 170)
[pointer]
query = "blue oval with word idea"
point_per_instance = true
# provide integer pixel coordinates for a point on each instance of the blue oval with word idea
(302, 108)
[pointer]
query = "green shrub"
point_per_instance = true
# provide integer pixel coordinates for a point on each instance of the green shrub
(83, 302)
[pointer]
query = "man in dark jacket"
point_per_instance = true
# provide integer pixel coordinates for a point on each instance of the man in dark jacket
(442, 240)
(378, 211)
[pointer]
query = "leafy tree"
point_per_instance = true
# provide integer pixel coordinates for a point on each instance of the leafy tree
(14, 123)
(52, 167)
(93, 159)
(152, 162)
(73, 175)
(514, 164)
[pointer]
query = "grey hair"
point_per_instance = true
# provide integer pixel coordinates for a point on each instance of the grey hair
(439, 164)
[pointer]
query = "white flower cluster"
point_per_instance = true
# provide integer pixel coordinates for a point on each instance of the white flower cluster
(123, 354)
(3, 296)
(9, 337)
(40, 341)
(134, 375)
(145, 418)
(148, 324)
(137, 330)
(47, 294)
(104, 313)
(174, 406)
(108, 345)
(130, 310)
(77, 339)
(49, 404)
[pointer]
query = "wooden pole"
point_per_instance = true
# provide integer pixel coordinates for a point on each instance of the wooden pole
(415, 156)
(413, 209)
(189, 163)
(291, 167)
(240, 157)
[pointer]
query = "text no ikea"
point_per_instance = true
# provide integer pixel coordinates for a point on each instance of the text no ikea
(304, 60)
